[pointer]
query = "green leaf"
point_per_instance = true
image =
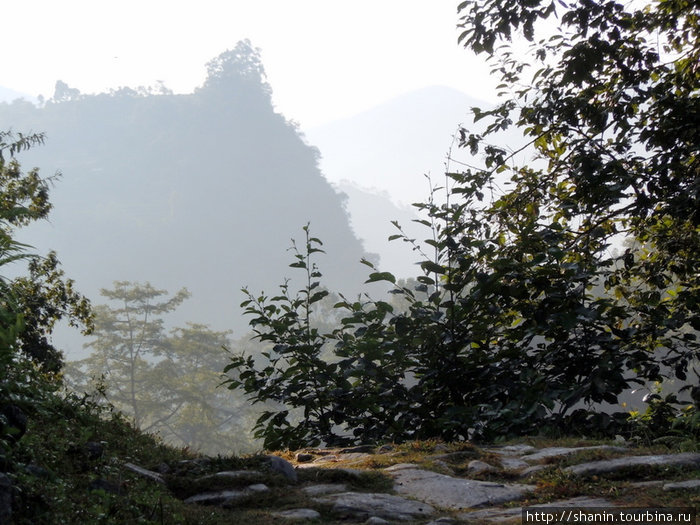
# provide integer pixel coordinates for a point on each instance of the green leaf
(381, 276)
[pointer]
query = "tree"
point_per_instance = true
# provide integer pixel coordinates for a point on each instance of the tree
(45, 296)
(611, 111)
(524, 320)
(165, 380)
(29, 306)
(128, 338)
(205, 418)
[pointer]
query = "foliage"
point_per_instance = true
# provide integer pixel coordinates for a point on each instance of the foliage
(45, 296)
(294, 372)
(666, 420)
(127, 337)
(165, 381)
(525, 319)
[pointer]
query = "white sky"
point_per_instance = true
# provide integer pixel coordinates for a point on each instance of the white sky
(325, 59)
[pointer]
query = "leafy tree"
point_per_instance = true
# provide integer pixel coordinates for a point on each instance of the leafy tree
(127, 338)
(204, 417)
(45, 296)
(525, 320)
(29, 306)
(166, 381)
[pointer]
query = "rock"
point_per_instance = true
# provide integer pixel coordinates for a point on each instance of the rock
(364, 505)
(145, 472)
(356, 456)
(401, 466)
(500, 514)
(476, 467)
(444, 466)
(646, 484)
(532, 470)
(297, 514)
(689, 484)
(360, 449)
(510, 463)
(374, 520)
(454, 493)
(302, 457)
(284, 467)
(385, 448)
(512, 450)
(258, 487)
(5, 499)
(690, 459)
(324, 488)
(554, 452)
(442, 521)
(232, 474)
(226, 497)
(326, 458)
(216, 498)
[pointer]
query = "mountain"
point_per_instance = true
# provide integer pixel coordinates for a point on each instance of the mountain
(371, 215)
(391, 147)
(8, 95)
(203, 190)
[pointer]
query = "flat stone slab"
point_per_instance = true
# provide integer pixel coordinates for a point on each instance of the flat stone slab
(362, 506)
(690, 459)
(215, 498)
(232, 474)
(553, 452)
(454, 493)
(683, 485)
(224, 497)
(498, 515)
(324, 488)
(297, 514)
(145, 472)
(510, 463)
(512, 450)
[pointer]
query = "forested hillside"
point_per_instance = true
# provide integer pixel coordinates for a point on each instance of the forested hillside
(201, 190)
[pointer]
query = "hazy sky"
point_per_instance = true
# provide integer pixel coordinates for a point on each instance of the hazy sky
(325, 59)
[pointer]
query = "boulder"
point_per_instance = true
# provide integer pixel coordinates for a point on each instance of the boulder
(284, 467)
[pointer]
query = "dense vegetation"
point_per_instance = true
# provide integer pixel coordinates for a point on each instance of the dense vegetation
(530, 313)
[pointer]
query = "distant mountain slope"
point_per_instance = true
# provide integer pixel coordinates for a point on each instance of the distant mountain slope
(392, 146)
(202, 190)
(371, 214)
(8, 95)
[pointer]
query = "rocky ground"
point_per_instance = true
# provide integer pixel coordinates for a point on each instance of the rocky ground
(430, 483)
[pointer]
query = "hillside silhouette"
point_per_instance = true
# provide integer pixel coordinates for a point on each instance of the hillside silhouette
(202, 190)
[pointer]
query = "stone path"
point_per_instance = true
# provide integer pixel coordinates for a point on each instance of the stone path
(422, 495)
